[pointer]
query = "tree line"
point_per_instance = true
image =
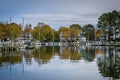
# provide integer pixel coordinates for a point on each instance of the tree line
(107, 23)
(110, 22)
(11, 31)
(42, 33)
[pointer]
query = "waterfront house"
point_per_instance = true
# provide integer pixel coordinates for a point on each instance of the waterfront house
(81, 37)
(62, 39)
(104, 37)
(70, 39)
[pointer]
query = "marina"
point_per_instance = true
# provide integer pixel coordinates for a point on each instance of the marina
(59, 39)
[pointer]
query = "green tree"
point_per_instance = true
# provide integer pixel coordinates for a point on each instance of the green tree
(109, 21)
(86, 30)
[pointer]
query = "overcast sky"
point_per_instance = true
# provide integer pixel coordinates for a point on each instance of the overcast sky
(56, 13)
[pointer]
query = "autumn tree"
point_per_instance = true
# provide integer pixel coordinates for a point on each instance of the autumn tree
(48, 32)
(99, 33)
(13, 31)
(75, 30)
(44, 32)
(2, 30)
(65, 32)
(37, 33)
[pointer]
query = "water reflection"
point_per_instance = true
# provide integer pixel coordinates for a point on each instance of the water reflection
(109, 63)
(88, 53)
(71, 53)
(107, 59)
(43, 55)
(12, 58)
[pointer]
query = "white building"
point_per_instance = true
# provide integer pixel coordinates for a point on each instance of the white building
(62, 39)
(82, 37)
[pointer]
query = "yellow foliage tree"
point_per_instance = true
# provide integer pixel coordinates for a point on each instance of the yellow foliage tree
(99, 33)
(43, 33)
(2, 30)
(65, 32)
(13, 30)
(75, 30)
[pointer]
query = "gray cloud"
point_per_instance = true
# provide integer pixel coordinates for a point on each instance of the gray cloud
(57, 12)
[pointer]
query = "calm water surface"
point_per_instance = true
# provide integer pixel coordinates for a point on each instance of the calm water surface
(61, 63)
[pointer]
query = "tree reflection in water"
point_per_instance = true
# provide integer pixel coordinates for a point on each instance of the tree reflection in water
(71, 53)
(8, 58)
(43, 55)
(108, 58)
(88, 53)
(109, 64)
